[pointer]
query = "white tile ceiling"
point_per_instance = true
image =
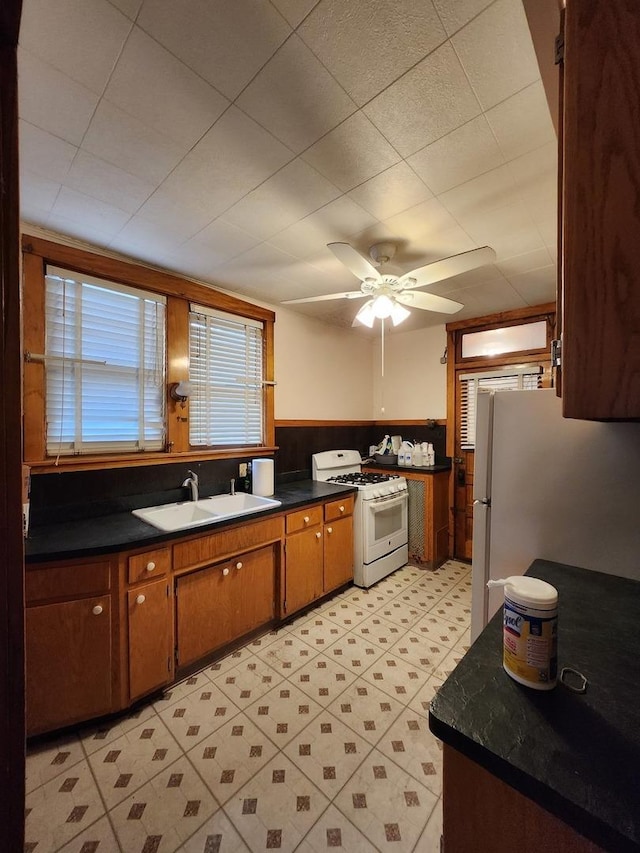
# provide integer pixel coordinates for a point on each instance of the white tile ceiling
(231, 141)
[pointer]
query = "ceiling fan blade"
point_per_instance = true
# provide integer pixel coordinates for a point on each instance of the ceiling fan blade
(428, 302)
(448, 267)
(354, 261)
(351, 294)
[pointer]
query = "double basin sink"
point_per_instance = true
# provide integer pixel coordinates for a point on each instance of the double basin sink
(186, 514)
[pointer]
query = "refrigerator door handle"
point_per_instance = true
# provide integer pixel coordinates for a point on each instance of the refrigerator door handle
(482, 501)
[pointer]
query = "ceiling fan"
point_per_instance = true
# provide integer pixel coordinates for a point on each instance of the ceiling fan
(388, 293)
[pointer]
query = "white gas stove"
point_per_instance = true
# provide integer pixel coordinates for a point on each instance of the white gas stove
(380, 522)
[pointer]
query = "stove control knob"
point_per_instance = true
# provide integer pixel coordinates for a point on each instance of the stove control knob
(393, 489)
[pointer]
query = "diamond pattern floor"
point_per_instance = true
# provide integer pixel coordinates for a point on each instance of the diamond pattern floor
(312, 738)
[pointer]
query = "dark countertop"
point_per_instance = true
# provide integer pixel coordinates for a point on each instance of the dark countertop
(576, 755)
(122, 530)
(401, 469)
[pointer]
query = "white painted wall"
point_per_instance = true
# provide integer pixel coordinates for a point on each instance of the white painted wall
(414, 385)
(323, 372)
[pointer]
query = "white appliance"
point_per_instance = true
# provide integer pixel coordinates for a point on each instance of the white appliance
(380, 517)
(552, 488)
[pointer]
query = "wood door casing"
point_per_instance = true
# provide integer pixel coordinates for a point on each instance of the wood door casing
(461, 485)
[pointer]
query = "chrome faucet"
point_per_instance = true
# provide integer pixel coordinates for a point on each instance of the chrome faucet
(192, 483)
(233, 485)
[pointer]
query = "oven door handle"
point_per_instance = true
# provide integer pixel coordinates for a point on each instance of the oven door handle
(378, 504)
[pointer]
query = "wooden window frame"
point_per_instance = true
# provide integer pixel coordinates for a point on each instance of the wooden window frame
(180, 293)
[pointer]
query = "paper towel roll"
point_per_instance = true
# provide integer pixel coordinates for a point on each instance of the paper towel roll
(262, 477)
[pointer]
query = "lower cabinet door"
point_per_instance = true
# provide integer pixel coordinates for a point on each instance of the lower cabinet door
(304, 576)
(338, 553)
(68, 662)
(150, 637)
(218, 604)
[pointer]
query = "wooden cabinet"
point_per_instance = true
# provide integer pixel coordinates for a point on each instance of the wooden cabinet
(599, 293)
(69, 657)
(319, 552)
(481, 813)
(304, 558)
(338, 543)
(150, 636)
(220, 603)
(428, 515)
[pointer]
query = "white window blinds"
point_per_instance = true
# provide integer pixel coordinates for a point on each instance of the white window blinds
(226, 372)
(525, 378)
(105, 366)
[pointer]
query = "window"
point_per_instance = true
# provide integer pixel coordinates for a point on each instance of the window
(226, 372)
(105, 341)
(104, 364)
(525, 378)
(506, 339)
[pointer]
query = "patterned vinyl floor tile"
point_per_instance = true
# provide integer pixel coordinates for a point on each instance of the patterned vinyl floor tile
(396, 677)
(328, 752)
(99, 837)
(165, 812)
(287, 654)
(276, 809)
(231, 756)
(411, 745)
(48, 759)
(216, 835)
(323, 679)
(248, 681)
(62, 808)
(95, 737)
(193, 718)
(388, 806)
(311, 738)
(333, 831)
(283, 712)
(130, 761)
(366, 710)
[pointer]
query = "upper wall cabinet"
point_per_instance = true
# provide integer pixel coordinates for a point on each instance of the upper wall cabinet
(600, 202)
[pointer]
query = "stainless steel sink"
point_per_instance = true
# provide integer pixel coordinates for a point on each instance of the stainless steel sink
(186, 514)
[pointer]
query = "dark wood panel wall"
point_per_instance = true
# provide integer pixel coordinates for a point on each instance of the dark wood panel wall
(69, 495)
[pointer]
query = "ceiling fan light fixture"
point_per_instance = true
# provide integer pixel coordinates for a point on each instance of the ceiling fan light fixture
(365, 315)
(399, 314)
(382, 306)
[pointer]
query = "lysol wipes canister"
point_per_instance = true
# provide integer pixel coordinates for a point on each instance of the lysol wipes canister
(530, 631)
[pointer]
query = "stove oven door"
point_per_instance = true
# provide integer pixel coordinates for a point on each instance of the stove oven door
(385, 526)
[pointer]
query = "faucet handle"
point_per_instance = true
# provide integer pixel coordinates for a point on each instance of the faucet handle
(194, 476)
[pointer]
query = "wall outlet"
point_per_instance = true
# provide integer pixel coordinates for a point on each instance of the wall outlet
(242, 469)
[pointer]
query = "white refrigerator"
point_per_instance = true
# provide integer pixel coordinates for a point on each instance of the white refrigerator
(552, 488)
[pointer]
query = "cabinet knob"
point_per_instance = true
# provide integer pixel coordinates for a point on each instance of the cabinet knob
(306, 519)
(140, 599)
(150, 566)
(329, 529)
(341, 509)
(225, 572)
(318, 535)
(97, 610)
(238, 565)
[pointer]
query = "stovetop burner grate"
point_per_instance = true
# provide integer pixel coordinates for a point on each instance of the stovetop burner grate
(362, 479)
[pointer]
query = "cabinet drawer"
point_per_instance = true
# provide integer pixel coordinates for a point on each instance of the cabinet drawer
(304, 518)
(149, 565)
(67, 581)
(338, 509)
(205, 549)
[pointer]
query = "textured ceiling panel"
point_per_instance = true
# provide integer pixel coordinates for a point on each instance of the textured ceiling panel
(230, 142)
